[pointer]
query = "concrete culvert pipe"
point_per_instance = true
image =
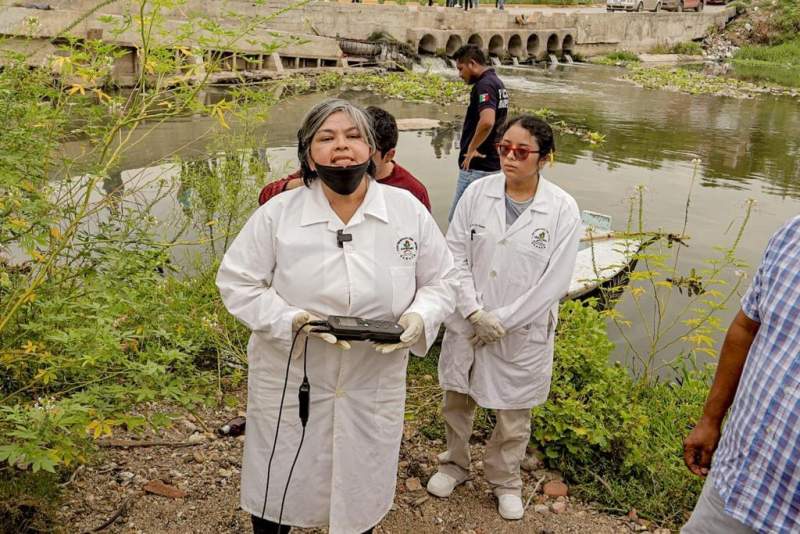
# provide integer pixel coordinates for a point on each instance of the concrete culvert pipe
(496, 45)
(476, 40)
(454, 42)
(533, 45)
(427, 45)
(552, 44)
(515, 46)
(568, 44)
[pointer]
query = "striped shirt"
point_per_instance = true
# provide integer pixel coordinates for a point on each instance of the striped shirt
(757, 466)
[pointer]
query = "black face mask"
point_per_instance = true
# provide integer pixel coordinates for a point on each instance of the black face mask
(343, 180)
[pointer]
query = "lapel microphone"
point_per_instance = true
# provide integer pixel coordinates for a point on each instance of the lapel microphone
(341, 237)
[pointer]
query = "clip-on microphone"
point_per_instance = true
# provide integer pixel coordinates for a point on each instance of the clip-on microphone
(341, 237)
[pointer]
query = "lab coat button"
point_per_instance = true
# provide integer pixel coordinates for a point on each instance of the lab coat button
(493, 274)
(339, 393)
(502, 241)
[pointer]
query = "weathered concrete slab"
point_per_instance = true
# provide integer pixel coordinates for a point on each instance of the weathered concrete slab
(407, 125)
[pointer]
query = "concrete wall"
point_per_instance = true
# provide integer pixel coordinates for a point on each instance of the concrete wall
(428, 29)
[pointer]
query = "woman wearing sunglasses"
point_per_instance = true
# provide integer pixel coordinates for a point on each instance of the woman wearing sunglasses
(514, 238)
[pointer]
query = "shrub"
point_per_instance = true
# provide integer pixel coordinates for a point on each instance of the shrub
(588, 411)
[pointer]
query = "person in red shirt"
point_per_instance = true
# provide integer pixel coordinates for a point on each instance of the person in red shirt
(387, 171)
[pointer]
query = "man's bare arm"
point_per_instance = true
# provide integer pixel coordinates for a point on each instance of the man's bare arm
(699, 446)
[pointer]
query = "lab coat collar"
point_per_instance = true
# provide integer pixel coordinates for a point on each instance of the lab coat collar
(542, 200)
(542, 203)
(317, 209)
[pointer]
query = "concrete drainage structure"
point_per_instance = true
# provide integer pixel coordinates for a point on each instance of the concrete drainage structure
(503, 44)
(310, 37)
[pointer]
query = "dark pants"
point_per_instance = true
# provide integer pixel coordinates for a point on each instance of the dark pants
(265, 526)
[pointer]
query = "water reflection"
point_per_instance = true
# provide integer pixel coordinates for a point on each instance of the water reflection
(748, 148)
(738, 140)
(443, 139)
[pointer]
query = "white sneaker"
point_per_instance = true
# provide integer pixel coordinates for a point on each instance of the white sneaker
(510, 507)
(441, 484)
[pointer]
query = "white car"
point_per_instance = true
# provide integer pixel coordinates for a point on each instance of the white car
(633, 5)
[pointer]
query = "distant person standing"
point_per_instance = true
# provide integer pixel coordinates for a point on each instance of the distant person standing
(488, 107)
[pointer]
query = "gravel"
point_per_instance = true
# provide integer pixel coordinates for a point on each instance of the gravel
(208, 472)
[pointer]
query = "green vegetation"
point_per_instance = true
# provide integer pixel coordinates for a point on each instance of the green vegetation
(690, 48)
(771, 52)
(695, 83)
(621, 58)
(786, 54)
(103, 314)
(413, 86)
(97, 316)
(774, 22)
(617, 440)
(765, 73)
(616, 432)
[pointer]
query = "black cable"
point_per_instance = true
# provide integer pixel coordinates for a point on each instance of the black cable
(280, 412)
(302, 434)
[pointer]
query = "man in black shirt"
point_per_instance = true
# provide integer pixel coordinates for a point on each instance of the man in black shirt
(487, 111)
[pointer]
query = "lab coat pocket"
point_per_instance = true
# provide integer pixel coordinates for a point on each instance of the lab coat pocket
(525, 268)
(525, 345)
(389, 413)
(404, 287)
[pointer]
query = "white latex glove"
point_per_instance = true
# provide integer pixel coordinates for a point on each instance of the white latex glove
(304, 317)
(413, 328)
(488, 328)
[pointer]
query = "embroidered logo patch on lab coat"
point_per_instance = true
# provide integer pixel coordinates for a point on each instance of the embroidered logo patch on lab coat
(407, 248)
(540, 237)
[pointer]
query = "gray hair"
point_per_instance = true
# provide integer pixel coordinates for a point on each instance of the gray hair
(314, 120)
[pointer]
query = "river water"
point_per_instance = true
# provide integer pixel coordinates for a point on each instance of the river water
(748, 149)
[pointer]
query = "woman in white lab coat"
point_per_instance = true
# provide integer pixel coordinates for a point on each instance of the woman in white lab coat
(514, 238)
(343, 245)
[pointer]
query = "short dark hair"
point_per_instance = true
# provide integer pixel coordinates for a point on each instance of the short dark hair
(470, 51)
(384, 128)
(539, 129)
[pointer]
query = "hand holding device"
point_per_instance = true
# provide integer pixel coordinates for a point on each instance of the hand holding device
(358, 329)
(413, 328)
(313, 330)
(487, 327)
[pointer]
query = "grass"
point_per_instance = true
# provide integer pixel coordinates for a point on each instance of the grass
(689, 48)
(622, 57)
(767, 73)
(785, 54)
(778, 64)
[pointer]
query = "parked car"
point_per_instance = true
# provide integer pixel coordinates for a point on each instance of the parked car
(633, 5)
(682, 5)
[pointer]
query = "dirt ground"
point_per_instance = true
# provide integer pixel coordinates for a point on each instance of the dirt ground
(207, 469)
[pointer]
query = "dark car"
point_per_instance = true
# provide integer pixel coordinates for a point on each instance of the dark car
(682, 5)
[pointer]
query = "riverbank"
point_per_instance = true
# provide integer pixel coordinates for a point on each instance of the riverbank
(199, 491)
(757, 53)
(85, 358)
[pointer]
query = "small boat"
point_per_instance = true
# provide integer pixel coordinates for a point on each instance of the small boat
(605, 259)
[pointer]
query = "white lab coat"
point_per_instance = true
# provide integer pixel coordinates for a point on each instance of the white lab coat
(519, 274)
(286, 259)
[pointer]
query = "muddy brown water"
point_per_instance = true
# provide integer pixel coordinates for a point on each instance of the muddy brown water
(748, 149)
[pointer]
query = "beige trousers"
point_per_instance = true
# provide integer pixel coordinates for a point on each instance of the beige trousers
(504, 452)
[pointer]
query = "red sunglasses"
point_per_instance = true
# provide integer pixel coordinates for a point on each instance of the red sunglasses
(520, 153)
